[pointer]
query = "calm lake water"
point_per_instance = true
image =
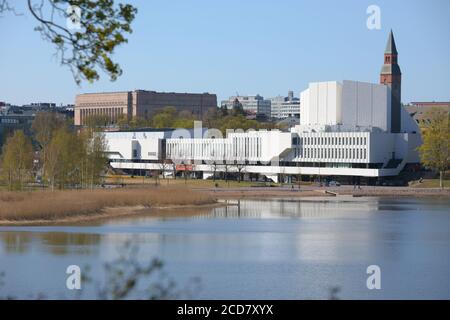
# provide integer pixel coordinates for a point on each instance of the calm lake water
(261, 249)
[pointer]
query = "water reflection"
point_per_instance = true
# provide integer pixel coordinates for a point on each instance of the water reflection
(18, 242)
(267, 249)
(294, 208)
(58, 243)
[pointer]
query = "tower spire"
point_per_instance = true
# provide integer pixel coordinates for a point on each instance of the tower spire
(390, 46)
(392, 77)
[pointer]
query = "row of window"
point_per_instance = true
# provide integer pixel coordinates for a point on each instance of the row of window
(343, 141)
(113, 113)
(108, 103)
(8, 120)
(331, 153)
(242, 147)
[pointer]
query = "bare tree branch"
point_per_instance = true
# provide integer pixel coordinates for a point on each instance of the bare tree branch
(88, 48)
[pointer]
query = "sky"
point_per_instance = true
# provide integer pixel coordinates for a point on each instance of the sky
(247, 47)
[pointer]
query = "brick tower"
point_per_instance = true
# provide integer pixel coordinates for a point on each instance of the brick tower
(392, 77)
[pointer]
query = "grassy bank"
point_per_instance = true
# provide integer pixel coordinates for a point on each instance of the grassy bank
(191, 183)
(430, 183)
(51, 206)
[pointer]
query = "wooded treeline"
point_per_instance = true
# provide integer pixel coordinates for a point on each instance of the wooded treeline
(56, 155)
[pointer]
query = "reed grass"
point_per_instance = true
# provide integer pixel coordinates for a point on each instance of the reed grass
(47, 205)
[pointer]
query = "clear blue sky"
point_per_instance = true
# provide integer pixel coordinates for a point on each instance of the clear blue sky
(251, 46)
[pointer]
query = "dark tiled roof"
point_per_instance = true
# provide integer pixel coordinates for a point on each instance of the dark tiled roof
(390, 46)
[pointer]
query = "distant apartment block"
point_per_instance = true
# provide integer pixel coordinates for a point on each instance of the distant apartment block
(14, 117)
(139, 103)
(285, 107)
(253, 105)
(42, 105)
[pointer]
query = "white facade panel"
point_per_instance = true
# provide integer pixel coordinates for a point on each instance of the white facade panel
(364, 103)
(381, 108)
(322, 102)
(338, 99)
(349, 104)
(304, 110)
(313, 103)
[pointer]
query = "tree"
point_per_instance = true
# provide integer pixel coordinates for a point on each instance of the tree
(164, 165)
(210, 117)
(44, 124)
(227, 166)
(214, 166)
(240, 167)
(87, 43)
(53, 162)
(234, 122)
(435, 150)
(76, 159)
(137, 122)
(164, 118)
(17, 159)
(122, 122)
(96, 157)
(238, 109)
(43, 127)
(183, 123)
(94, 122)
(60, 158)
(224, 111)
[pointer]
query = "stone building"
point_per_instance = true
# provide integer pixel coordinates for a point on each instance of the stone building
(139, 103)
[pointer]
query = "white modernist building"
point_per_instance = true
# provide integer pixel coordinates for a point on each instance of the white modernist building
(345, 130)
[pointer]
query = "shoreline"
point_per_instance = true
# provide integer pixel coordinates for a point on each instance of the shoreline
(225, 194)
(247, 193)
(107, 213)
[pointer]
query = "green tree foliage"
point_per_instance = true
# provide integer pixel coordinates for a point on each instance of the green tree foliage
(54, 161)
(122, 122)
(435, 150)
(138, 122)
(224, 111)
(43, 127)
(164, 118)
(17, 160)
(75, 160)
(235, 121)
(89, 47)
(168, 117)
(96, 157)
(97, 121)
(69, 158)
(238, 109)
